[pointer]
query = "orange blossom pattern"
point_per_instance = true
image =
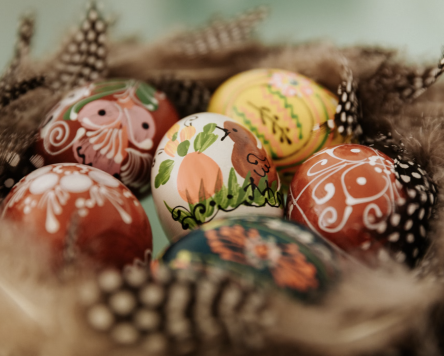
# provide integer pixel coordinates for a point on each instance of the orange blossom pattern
(287, 264)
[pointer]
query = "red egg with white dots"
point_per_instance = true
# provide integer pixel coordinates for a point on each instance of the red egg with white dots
(354, 196)
(81, 211)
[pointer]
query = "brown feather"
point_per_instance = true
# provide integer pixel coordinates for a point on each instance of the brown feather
(390, 311)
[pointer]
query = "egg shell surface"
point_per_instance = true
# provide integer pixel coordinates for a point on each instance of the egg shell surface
(265, 250)
(350, 195)
(113, 125)
(292, 115)
(209, 166)
(78, 209)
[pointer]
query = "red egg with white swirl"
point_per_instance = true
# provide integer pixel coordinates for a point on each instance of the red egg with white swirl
(347, 194)
(81, 211)
(113, 125)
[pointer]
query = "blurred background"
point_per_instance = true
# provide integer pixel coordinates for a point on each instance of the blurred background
(415, 27)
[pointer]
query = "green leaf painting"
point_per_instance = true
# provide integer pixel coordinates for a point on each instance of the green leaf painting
(228, 198)
(198, 141)
(183, 216)
(209, 128)
(174, 138)
(145, 93)
(164, 173)
(210, 139)
(183, 147)
(113, 85)
(206, 138)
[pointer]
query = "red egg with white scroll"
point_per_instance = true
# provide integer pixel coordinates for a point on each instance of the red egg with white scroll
(354, 196)
(114, 125)
(81, 210)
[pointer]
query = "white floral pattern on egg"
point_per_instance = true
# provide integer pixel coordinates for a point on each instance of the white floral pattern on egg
(110, 224)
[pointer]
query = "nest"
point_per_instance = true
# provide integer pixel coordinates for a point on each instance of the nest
(391, 310)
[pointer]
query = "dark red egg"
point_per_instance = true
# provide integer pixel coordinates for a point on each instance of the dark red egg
(113, 125)
(81, 211)
(360, 199)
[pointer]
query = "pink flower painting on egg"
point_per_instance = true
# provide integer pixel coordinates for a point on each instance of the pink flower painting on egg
(290, 84)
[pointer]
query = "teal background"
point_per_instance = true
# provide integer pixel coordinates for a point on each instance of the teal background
(416, 27)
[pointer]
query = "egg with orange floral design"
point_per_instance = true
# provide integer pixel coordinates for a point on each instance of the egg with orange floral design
(207, 166)
(113, 125)
(266, 250)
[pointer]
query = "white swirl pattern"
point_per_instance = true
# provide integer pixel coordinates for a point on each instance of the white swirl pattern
(99, 141)
(55, 142)
(332, 221)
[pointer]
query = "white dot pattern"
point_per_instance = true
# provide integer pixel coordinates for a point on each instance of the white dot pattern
(346, 116)
(406, 231)
(151, 321)
(83, 58)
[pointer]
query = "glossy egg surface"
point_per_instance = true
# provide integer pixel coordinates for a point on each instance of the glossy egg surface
(113, 125)
(208, 166)
(79, 209)
(291, 114)
(262, 249)
(351, 195)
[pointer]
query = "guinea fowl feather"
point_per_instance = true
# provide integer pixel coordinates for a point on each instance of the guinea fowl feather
(390, 311)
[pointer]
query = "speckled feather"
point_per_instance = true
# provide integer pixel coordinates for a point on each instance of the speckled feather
(20, 91)
(188, 96)
(83, 55)
(219, 35)
(22, 49)
(405, 233)
(383, 313)
(71, 312)
(176, 312)
(347, 114)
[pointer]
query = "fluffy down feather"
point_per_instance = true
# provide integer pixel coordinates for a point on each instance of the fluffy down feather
(390, 311)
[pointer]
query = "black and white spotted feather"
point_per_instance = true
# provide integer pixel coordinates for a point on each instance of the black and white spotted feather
(188, 96)
(346, 115)
(394, 84)
(18, 79)
(22, 49)
(15, 90)
(175, 312)
(17, 159)
(220, 34)
(83, 56)
(405, 231)
(413, 85)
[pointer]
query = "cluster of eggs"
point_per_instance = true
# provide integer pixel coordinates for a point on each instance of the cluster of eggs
(95, 149)
(217, 180)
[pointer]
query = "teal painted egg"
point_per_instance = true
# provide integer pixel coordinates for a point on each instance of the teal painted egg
(265, 250)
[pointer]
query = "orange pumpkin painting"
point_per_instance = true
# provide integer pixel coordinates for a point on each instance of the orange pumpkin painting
(208, 166)
(187, 133)
(199, 178)
(171, 148)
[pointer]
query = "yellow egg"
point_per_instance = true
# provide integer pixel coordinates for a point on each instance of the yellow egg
(291, 114)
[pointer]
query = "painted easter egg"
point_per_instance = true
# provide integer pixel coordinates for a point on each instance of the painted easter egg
(81, 210)
(113, 125)
(209, 165)
(263, 249)
(364, 201)
(292, 115)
